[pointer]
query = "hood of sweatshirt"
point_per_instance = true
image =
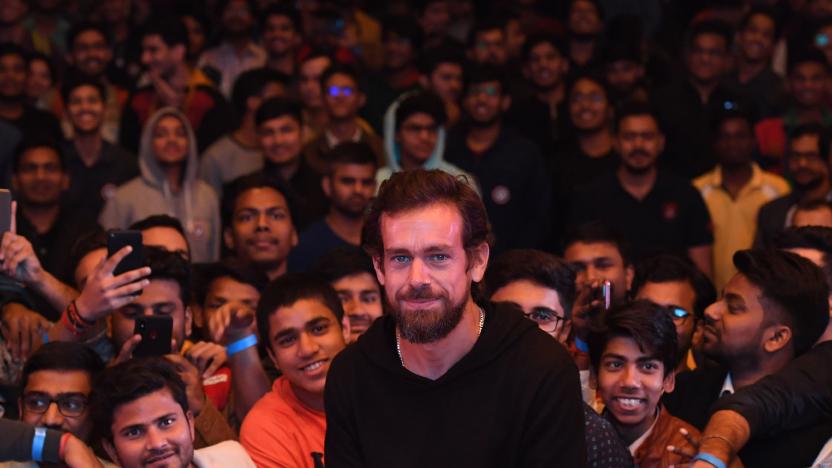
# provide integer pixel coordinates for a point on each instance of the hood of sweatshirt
(504, 325)
(153, 174)
(392, 152)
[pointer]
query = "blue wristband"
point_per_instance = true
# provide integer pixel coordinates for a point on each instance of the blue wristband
(582, 345)
(241, 344)
(708, 458)
(37, 444)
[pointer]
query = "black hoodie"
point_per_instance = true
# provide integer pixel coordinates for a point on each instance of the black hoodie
(513, 401)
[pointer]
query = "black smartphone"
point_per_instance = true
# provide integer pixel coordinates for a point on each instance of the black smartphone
(116, 240)
(603, 293)
(156, 332)
(5, 211)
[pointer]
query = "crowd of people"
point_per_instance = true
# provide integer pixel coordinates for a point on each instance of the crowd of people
(416, 233)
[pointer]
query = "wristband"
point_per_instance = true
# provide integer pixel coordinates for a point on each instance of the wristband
(37, 444)
(241, 344)
(710, 459)
(62, 446)
(582, 345)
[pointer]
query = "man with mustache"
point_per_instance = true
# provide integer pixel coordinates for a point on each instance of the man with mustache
(655, 210)
(349, 185)
(808, 163)
(427, 385)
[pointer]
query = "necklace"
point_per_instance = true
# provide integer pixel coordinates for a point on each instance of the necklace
(399, 343)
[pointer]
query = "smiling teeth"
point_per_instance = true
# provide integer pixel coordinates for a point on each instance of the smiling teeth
(629, 402)
(313, 366)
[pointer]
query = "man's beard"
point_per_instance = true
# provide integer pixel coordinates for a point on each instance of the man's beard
(484, 123)
(808, 186)
(426, 325)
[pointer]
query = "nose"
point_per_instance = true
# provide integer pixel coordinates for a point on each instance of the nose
(307, 346)
(630, 377)
(262, 221)
(713, 312)
(418, 273)
(155, 440)
(591, 273)
(52, 417)
(350, 305)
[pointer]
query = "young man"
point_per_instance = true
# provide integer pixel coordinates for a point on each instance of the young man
(342, 99)
(634, 356)
(487, 42)
(169, 82)
(427, 234)
(282, 35)
(164, 232)
(509, 168)
(95, 165)
(238, 153)
(735, 190)
(310, 69)
(142, 412)
(676, 284)
(442, 71)
(349, 185)
(813, 213)
(299, 321)
(775, 308)
(258, 222)
(656, 211)
(414, 136)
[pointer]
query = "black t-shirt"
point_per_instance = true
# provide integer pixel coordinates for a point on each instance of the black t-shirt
(91, 187)
(670, 219)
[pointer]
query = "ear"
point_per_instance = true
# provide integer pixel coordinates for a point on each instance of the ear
(252, 103)
(326, 185)
(189, 321)
(111, 451)
(669, 382)
(479, 261)
(660, 143)
(378, 266)
(345, 328)
(505, 102)
(777, 337)
(228, 238)
(629, 274)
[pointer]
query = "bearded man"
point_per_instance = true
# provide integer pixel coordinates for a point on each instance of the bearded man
(442, 380)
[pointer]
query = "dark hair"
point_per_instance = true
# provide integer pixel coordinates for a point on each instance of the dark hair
(715, 27)
(159, 220)
(340, 69)
(89, 241)
(725, 115)
(815, 130)
(794, 286)
(633, 109)
(543, 38)
(10, 48)
(665, 268)
(253, 181)
(83, 27)
(806, 55)
(541, 268)
(33, 142)
(812, 205)
(765, 11)
(407, 190)
(405, 27)
(477, 73)
(350, 152)
(589, 76)
(251, 83)
(171, 266)
(53, 72)
(290, 288)
(809, 237)
(76, 80)
(424, 102)
(125, 383)
(276, 107)
(343, 262)
(170, 28)
(487, 24)
(285, 10)
(61, 356)
(648, 324)
(597, 232)
(447, 52)
(233, 268)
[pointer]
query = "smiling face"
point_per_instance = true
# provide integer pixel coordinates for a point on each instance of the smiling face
(484, 103)
(170, 141)
(546, 66)
(40, 179)
(631, 383)
(281, 139)
(360, 297)
(756, 39)
(90, 53)
(279, 35)
(303, 339)
(588, 105)
(152, 431)
(85, 109)
(807, 84)
(71, 387)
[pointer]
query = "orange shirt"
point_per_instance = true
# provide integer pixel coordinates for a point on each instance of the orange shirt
(280, 431)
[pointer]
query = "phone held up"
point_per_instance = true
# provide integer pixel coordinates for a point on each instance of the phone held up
(116, 240)
(603, 294)
(156, 332)
(5, 211)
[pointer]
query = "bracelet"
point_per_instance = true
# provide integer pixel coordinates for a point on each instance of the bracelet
(582, 345)
(62, 446)
(67, 321)
(241, 344)
(73, 308)
(37, 444)
(710, 459)
(716, 436)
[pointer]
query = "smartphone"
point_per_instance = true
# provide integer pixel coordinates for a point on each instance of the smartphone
(156, 332)
(603, 293)
(116, 240)
(5, 211)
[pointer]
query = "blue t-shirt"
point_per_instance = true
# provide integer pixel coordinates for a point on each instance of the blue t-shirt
(317, 240)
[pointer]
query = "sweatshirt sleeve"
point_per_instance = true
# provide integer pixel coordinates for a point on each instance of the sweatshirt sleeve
(798, 396)
(16, 442)
(341, 447)
(554, 432)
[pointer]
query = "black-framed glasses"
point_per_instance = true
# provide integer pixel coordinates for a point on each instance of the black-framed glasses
(678, 314)
(71, 406)
(546, 318)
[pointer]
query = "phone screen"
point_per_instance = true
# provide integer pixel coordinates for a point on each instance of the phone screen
(5, 211)
(156, 332)
(116, 240)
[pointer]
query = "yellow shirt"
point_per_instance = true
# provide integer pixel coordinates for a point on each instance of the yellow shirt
(735, 220)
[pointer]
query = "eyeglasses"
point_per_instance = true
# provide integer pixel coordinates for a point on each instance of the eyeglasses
(488, 90)
(336, 91)
(71, 406)
(679, 314)
(547, 319)
(417, 129)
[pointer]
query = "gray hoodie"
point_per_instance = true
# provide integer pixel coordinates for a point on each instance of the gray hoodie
(393, 153)
(195, 205)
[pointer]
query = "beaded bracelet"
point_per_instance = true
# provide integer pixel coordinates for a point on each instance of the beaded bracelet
(710, 459)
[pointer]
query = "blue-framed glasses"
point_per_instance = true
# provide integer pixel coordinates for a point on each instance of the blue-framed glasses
(679, 313)
(336, 91)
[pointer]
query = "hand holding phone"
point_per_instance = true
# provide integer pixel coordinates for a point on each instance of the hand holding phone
(156, 333)
(116, 240)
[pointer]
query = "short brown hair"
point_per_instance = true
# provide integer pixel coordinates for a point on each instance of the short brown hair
(407, 190)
